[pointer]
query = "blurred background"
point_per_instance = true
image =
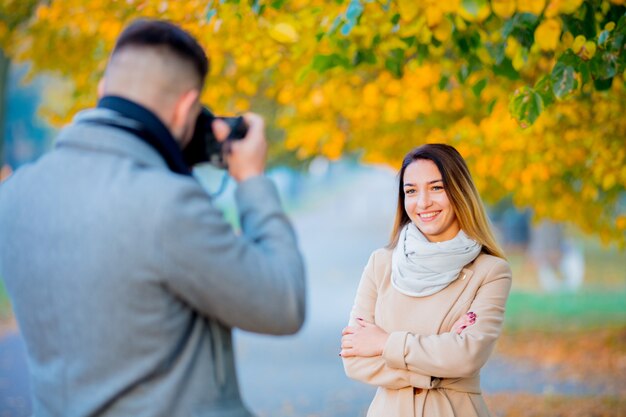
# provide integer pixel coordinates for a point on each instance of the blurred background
(531, 93)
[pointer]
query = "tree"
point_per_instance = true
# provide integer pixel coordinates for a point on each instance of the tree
(531, 92)
(13, 15)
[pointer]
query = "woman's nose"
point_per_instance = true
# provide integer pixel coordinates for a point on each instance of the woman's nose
(423, 200)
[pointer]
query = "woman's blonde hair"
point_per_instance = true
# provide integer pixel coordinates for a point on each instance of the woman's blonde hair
(460, 188)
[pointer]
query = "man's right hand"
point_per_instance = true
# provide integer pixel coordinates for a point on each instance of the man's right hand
(245, 157)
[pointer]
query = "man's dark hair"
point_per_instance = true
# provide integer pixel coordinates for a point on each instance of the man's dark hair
(161, 33)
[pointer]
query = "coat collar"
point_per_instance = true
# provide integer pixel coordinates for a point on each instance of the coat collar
(85, 134)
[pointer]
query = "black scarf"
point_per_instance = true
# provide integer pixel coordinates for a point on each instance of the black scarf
(152, 131)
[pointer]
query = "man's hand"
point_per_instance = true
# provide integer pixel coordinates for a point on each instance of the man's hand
(245, 157)
(365, 339)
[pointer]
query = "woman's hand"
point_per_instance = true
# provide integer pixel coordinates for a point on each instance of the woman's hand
(364, 339)
(463, 322)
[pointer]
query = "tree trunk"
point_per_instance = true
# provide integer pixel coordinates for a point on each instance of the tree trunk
(5, 63)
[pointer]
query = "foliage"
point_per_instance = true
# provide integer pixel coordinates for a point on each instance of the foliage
(381, 76)
(547, 405)
(595, 356)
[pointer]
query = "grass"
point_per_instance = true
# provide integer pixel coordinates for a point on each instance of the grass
(5, 305)
(566, 311)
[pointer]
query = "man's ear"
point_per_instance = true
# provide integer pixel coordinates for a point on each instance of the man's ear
(182, 108)
(101, 88)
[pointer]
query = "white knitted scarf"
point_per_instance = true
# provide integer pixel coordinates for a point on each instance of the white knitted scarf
(420, 268)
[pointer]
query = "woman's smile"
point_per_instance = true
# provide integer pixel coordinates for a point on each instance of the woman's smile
(428, 216)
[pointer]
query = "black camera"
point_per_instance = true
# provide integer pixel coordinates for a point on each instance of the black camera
(204, 147)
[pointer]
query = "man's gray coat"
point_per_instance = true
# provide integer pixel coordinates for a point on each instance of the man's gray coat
(125, 279)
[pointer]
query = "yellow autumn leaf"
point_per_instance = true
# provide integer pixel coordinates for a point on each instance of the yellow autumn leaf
(620, 222)
(434, 15)
(588, 50)
(579, 42)
(408, 9)
(512, 47)
(547, 34)
(504, 8)
(443, 30)
(567, 39)
(531, 6)
(284, 33)
(475, 14)
(518, 62)
(569, 6)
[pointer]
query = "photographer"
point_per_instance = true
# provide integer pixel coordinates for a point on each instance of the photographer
(124, 278)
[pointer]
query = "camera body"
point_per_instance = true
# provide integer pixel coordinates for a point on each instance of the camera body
(204, 147)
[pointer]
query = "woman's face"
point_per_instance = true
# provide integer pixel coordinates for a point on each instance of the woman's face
(427, 203)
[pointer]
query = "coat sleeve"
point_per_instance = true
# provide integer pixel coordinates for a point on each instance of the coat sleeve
(253, 281)
(449, 355)
(374, 370)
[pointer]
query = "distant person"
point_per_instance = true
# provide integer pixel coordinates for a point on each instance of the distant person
(125, 278)
(5, 172)
(430, 306)
(559, 260)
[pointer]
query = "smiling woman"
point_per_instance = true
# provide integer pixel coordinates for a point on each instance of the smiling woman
(426, 202)
(430, 306)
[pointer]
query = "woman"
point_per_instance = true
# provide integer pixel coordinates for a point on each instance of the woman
(430, 306)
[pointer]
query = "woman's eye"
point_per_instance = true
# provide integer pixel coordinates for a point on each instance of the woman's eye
(409, 191)
(437, 188)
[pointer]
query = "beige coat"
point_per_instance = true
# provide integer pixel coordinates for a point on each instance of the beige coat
(426, 369)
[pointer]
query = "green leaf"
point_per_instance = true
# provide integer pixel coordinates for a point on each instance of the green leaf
(463, 73)
(322, 63)
(364, 56)
(589, 21)
(479, 87)
(585, 71)
(422, 53)
(616, 45)
(543, 87)
(603, 84)
(563, 80)
(621, 25)
(277, 4)
(526, 105)
(443, 82)
(505, 69)
(491, 105)
(569, 58)
(395, 62)
(522, 26)
(496, 51)
(303, 73)
(409, 40)
(603, 65)
(573, 25)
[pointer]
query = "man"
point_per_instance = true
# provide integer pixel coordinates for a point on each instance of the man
(124, 278)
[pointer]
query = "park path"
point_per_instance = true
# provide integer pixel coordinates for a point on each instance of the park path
(348, 217)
